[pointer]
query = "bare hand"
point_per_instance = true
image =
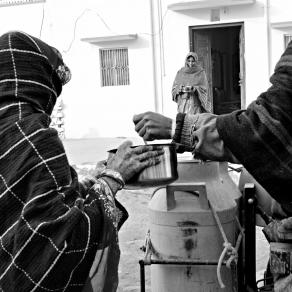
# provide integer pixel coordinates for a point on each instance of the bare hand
(151, 126)
(129, 161)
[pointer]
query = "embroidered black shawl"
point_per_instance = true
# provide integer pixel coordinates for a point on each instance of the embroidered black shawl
(50, 229)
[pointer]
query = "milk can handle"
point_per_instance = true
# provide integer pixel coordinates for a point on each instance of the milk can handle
(199, 187)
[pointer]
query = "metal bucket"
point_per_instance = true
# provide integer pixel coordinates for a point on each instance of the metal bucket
(162, 173)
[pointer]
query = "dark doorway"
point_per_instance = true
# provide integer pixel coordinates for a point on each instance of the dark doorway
(221, 52)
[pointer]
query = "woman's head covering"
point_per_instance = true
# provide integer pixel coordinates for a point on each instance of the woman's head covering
(191, 54)
(31, 72)
(196, 67)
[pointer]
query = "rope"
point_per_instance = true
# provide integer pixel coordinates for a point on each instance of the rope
(228, 248)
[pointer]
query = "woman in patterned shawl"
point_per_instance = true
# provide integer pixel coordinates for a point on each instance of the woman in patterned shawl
(56, 233)
(190, 87)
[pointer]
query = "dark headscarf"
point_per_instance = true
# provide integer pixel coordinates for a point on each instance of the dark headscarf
(30, 71)
(196, 68)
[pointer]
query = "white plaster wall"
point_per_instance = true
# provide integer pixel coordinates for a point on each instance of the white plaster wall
(176, 39)
(280, 11)
(21, 17)
(94, 111)
(91, 110)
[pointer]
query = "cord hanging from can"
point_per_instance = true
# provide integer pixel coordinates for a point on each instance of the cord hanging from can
(228, 248)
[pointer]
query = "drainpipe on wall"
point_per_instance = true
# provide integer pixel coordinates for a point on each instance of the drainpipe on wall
(153, 50)
(269, 42)
(161, 51)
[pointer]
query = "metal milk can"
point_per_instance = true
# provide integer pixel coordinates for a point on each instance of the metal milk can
(193, 230)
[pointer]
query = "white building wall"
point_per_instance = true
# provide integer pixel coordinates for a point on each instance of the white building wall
(91, 110)
(264, 44)
(94, 111)
(281, 24)
(176, 38)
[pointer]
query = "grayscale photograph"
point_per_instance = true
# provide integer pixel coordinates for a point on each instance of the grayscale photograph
(146, 145)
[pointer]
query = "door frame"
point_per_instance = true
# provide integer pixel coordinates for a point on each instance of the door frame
(241, 47)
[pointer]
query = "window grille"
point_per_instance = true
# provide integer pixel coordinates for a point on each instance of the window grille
(18, 2)
(114, 66)
(287, 39)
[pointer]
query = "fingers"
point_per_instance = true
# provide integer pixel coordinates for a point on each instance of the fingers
(146, 132)
(150, 154)
(140, 126)
(150, 158)
(139, 117)
(144, 125)
(145, 148)
(149, 136)
(147, 163)
(125, 145)
(150, 162)
(141, 149)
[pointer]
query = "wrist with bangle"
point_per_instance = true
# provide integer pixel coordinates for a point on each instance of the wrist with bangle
(116, 176)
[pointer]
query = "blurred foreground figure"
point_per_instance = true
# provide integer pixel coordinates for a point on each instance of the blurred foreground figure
(56, 233)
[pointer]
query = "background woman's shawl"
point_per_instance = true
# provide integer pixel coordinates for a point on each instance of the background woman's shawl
(51, 227)
(266, 128)
(197, 78)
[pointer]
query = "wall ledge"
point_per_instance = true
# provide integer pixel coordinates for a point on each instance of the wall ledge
(110, 38)
(200, 4)
(281, 24)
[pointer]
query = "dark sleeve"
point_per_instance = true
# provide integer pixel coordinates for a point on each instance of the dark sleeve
(68, 230)
(261, 136)
(198, 134)
(55, 235)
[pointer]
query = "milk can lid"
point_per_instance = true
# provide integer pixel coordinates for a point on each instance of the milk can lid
(169, 206)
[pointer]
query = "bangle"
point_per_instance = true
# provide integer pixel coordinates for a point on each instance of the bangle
(114, 175)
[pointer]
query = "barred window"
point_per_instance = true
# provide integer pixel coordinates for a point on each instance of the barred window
(114, 65)
(287, 39)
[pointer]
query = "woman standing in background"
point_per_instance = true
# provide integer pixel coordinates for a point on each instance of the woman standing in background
(190, 87)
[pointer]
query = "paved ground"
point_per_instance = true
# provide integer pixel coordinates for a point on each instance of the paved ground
(84, 154)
